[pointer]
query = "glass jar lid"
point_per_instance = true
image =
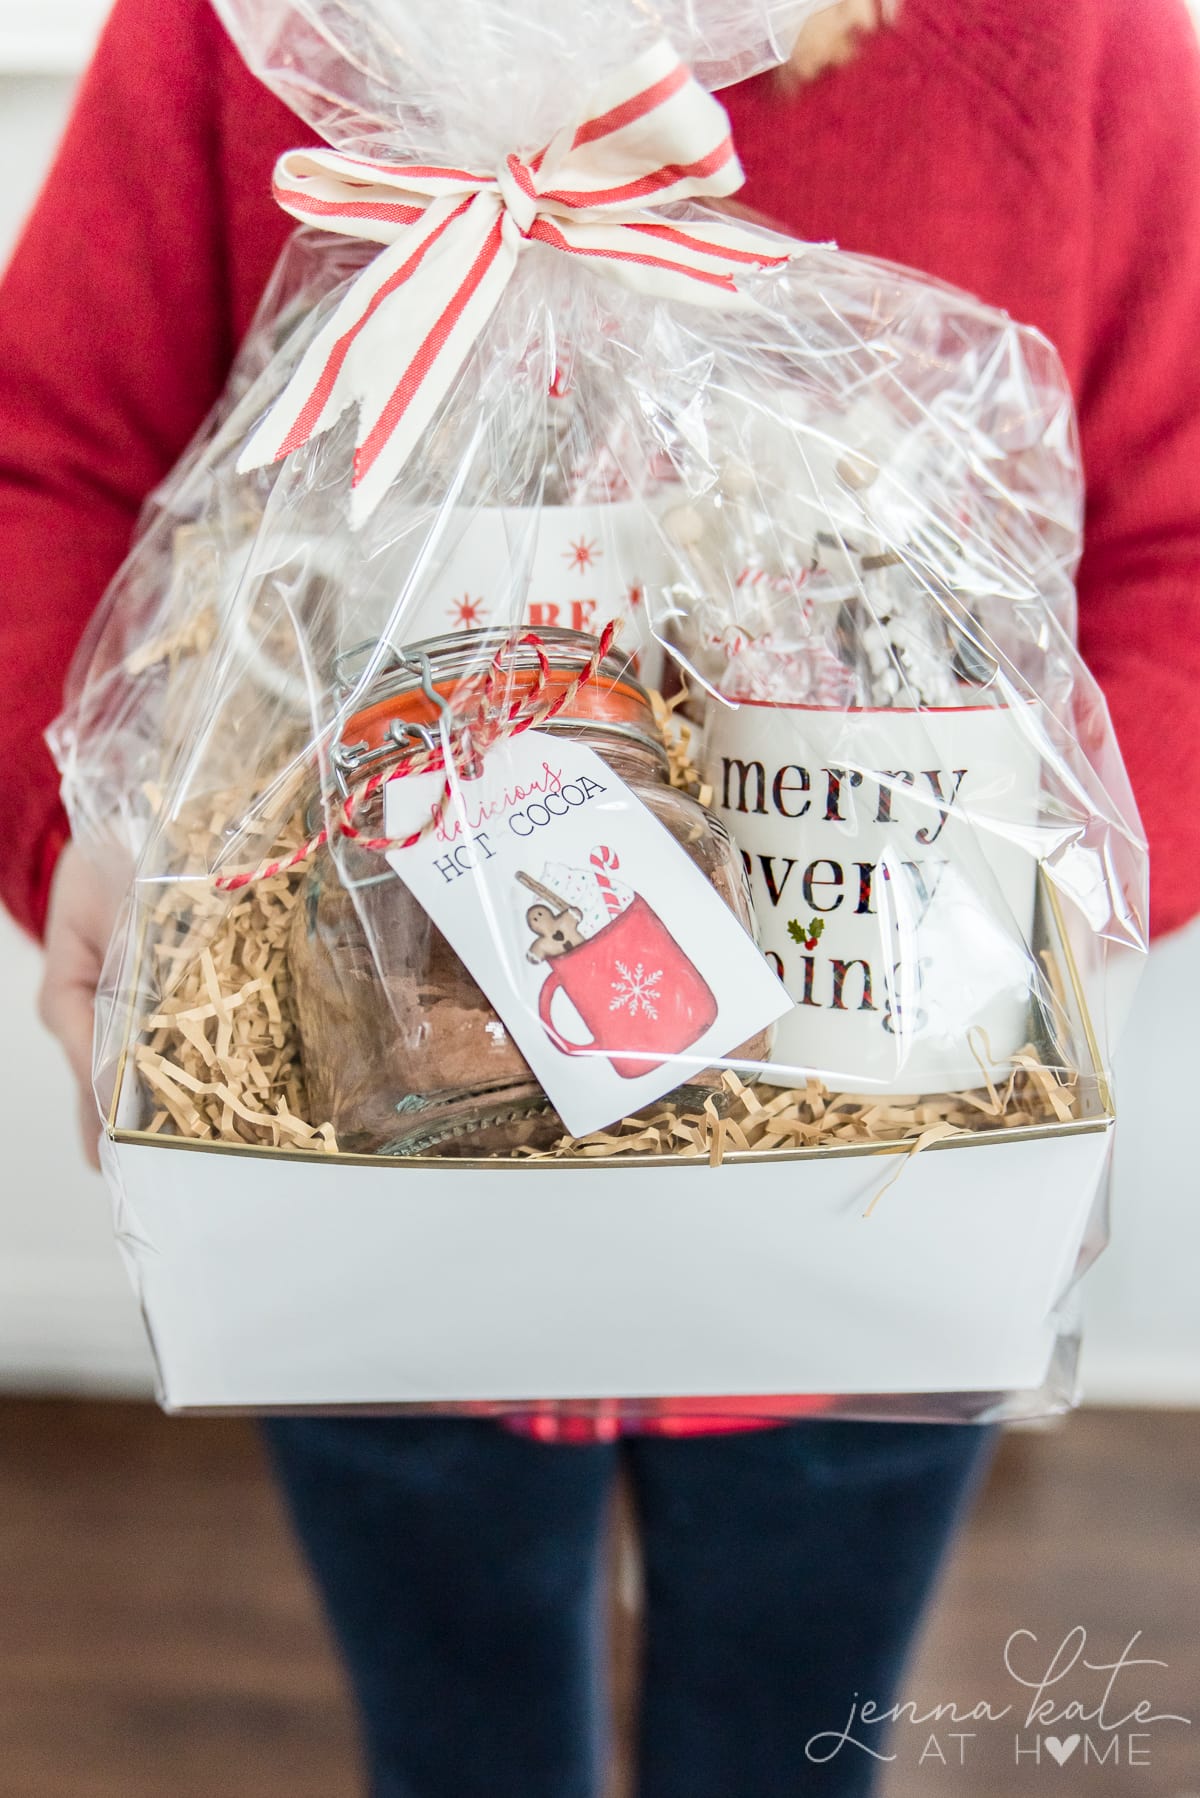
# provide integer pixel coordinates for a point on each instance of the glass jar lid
(448, 673)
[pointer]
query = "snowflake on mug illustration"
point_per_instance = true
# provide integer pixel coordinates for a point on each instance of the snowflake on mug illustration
(466, 612)
(635, 990)
(582, 555)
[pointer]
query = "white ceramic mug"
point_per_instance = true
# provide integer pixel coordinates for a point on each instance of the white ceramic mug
(892, 862)
(587, 565)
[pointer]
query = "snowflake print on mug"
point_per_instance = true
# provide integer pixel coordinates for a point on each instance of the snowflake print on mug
(634, 990)
(582, 555)
(467, 614)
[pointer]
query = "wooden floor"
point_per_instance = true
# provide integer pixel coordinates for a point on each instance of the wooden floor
(157, 1639)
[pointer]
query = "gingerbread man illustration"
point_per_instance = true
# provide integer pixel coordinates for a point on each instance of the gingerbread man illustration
(554, 932)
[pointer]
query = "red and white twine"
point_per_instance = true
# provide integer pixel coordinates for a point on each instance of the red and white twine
(487, 722)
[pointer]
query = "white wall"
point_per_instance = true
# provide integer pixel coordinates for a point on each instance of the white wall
(42, 37)
(66, 1316)
(1143, 1296)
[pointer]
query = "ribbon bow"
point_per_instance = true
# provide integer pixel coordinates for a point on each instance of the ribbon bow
(393, 346)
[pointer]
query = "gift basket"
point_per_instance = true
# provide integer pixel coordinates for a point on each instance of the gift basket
(626, 868)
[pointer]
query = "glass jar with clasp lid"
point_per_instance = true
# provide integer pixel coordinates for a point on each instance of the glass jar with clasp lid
(402, 1050)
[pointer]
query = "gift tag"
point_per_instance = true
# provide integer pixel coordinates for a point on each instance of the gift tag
(617, 968)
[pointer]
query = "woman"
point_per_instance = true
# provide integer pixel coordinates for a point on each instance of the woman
(1042, 153)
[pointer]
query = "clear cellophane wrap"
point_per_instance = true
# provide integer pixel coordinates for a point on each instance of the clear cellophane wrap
(836, 526)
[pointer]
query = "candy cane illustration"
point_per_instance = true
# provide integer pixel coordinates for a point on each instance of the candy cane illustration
(601, 859)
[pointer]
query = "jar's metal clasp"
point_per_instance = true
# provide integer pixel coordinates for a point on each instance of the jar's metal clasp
(348, 760)
(417, 662)
(400, 732)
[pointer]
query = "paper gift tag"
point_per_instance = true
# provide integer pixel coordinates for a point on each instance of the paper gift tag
(617, 968)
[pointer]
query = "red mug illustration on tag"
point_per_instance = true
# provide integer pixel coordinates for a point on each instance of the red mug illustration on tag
(635, 990)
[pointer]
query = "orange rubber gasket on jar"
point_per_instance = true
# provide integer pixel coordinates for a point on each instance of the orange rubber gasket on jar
(599, 702)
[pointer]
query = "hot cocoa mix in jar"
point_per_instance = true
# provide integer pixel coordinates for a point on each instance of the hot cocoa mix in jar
(402, 1049)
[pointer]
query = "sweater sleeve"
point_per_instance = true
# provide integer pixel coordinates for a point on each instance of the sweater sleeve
(1140, 416)
(114, 342)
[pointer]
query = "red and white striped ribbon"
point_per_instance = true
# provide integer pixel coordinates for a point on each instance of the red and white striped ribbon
(648, 138)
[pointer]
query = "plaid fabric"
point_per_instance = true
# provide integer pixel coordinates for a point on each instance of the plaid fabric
(604, 1420)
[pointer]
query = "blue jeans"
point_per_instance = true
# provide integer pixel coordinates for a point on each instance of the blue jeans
(785, 1569)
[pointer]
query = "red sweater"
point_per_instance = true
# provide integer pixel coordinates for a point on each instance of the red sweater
(1043, 153)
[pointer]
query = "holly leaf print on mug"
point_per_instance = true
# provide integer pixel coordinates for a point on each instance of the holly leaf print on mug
(808, 934)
